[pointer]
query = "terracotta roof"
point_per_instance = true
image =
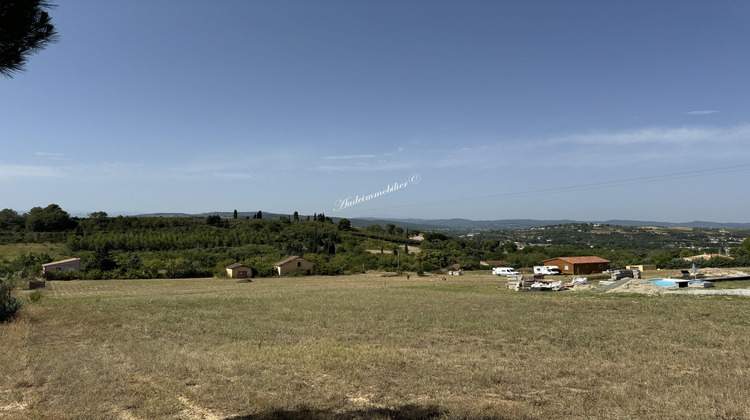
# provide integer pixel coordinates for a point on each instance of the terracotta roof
(580, 260)
(287, 259)
(62, 261)
(237, 265)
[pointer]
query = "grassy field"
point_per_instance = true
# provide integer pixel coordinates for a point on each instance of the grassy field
(370, 347)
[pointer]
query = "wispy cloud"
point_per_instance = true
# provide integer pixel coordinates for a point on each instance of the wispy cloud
(234, 175)
(52, 155)
(702, 112)
(367, 167)
(351, 157)
(658, 135)
(110, 169)
(8, 172)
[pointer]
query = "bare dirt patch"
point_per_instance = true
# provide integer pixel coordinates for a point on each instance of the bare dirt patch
(721, 272)
(638, 286)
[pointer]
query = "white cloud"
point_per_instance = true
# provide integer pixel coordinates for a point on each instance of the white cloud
(702, 112)
(109, 169)
(29, 171)
(659, 135)
(367, 167)
(350, 157)
(52, 155)
(234, 175)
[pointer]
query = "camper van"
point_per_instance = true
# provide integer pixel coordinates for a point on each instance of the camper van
(504, 271)
(549, 270)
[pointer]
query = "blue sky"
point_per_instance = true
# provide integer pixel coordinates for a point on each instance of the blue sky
(587, 110)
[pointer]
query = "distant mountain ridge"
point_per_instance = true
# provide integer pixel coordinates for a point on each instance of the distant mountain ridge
(510, 224)
(458, 223)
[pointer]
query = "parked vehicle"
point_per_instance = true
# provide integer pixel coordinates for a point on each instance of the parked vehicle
(504, 271)
(548, 270)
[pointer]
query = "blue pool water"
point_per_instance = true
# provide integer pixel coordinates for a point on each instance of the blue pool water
(663, 282)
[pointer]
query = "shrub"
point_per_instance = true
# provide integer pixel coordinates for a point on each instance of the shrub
(62, 275)
(8, 304)
(35, 296)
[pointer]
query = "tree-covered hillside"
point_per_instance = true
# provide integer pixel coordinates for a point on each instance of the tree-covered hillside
(150, 247)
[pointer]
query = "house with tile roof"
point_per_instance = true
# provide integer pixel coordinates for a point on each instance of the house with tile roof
(239, 271)
(71, 264)
(579, 265)
(293, 264)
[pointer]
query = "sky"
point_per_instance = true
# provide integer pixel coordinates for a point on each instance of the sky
(578, 109)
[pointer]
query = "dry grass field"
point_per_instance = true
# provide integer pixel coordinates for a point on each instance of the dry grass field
(370, 347)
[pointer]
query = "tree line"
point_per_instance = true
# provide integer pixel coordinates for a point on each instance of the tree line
(153, 247)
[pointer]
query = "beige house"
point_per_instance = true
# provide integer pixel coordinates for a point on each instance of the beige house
(239, 271)
(707, 257)
(492, 263)
(71, 264)
(293, 264)
(641, 267)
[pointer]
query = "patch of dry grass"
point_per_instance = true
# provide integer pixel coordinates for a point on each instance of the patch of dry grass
(369, 346)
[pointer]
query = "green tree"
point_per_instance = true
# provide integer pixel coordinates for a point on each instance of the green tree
(234, 215)
(10, 219)
(25, 29)
(49, 219)
(8, 304)
(98, 215)
(344, 224)
(374, 228)
(296, 217)
(509, 247)
(102, 260)
(134, 263)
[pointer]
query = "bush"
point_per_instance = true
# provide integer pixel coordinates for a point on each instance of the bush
(8, 304)
(62, 275)
(35, 296)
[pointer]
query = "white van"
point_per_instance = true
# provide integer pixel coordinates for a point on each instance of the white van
(549, 270)
(504, 271)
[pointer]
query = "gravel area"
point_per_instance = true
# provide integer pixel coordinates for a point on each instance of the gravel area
(736, 292)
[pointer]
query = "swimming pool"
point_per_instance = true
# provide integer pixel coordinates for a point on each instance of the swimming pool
(664, 282)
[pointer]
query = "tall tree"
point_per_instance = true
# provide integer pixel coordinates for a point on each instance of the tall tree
(25, 29)
(49, 219)
(9, 218)
(235, 214)
(344, 224)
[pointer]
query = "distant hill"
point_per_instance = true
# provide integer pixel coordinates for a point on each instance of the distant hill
(513, 224)
(466, 224)
(405, 224)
